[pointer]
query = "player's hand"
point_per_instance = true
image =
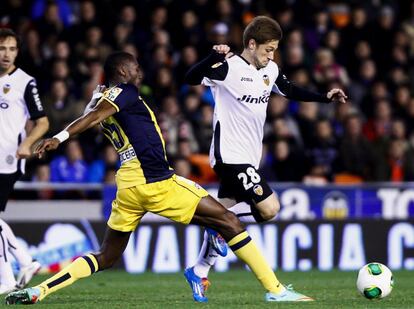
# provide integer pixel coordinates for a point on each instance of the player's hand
(223, 49)
(23, 151)
(337, 95)
(46, 145)
(99, 89)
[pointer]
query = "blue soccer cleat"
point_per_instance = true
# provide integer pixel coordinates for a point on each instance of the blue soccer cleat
(23, 297)
(198, 285)
(217, 241)
(288, 295)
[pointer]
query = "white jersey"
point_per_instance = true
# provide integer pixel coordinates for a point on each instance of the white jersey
(19, 101)
(241, 100)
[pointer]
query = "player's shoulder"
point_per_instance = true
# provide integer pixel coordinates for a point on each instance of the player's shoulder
(21, 78)
(273, 66)
(127, 87)
(122, 90)
(235, 60)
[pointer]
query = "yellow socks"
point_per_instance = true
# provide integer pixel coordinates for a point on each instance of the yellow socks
(246, 250)
(80, 268)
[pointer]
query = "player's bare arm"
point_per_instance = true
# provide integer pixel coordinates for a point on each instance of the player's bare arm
(99, 113)
(40, 128)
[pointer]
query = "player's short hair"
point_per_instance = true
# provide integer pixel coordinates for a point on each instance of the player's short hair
(6, 33)
(114, 61)
(262, 29)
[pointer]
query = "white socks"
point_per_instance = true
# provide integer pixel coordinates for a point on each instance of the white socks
(6, 271)
(206, 258)
(19, 253)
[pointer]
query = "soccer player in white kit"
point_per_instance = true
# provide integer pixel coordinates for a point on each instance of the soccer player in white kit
(241, 86)
(19, 101)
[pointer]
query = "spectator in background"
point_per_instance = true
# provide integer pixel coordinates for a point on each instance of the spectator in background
(283, 164)
(174, 126)
(306, 119)
(378, 91)
(355, 152)
(84, 18)
(42, 174)
(363, 81)
(381, 37)
(322, 154)
(54, 12)
(360, 53)
(326, 70)
(183, 168)
(288, 128)
(31, 54)
(380, 125)
(191, 108)
(191, 32)
(71, 166)
(98, 169)
(49, 22)
(358, 30)
(315, 33)
(93, 39)
(60, 106)
(188, 58)
(204, 130)
(400, 162)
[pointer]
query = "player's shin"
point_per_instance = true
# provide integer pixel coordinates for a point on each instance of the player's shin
(206, 259)
(82, 267)
(246, 250)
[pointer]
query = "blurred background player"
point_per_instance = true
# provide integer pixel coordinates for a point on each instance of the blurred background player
(19, 102)
(146, 183)
(241, 87)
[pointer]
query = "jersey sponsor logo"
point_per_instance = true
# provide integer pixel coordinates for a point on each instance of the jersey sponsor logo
(113, 93)
(246, 79)
(255, 100)
(6, 88)
(216, 65)
(266, 80)
(127, 155)
(36, 97)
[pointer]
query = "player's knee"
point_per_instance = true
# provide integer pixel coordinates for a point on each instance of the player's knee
(232, 224)
(270, 212)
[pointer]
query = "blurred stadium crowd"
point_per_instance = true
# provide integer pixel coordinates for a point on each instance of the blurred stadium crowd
(364, 47)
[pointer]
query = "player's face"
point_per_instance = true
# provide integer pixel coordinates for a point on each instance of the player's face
(135, 74)
(8, 54)
(263, 53)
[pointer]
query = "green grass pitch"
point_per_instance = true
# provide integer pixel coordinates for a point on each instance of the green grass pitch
(235, 289)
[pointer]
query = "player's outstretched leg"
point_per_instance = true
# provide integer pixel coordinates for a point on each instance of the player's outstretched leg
(212, 214)
(111, 250)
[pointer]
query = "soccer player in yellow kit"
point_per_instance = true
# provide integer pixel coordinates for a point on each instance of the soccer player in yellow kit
(145, 183)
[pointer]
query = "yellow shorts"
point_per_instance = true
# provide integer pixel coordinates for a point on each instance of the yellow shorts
(175, 198)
